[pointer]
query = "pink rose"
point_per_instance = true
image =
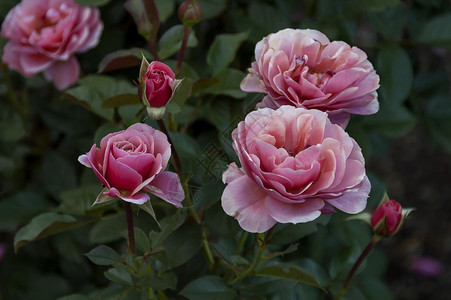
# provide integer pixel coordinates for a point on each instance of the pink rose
(304, 69)
(296, 164)
(158, 84)
(44, 35)
(387, 218)
(133, 160)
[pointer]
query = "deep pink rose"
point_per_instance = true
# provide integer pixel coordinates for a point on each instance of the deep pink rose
(296, 164)
(304, 69)
(45, 34)
(387, 218)
(158, 79)
(133, 160)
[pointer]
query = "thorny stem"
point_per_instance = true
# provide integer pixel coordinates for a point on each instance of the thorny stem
(357, 264)
(186, 32)
(131, 232)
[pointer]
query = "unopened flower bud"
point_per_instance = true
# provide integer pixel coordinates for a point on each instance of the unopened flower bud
(388, 218)
(155, 86)
(190, 12)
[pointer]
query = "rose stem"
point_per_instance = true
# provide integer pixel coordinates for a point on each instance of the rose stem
(186, 32)
(362, 256)
(176, 160)
(131, 232)
(153, 49)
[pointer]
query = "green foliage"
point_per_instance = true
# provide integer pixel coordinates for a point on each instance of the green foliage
(199, 252)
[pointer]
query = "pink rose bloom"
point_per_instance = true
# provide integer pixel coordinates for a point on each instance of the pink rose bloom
(45, 34)
(304, 69)
(158, 84)
(387, 218)
(133, 160)
(296, 165)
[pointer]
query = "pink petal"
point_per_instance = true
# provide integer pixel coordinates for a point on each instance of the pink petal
(63, 73)
(139, 198)
(232, 173)
(353, 200)
(294, 212)
(245, 201)
(252, 83)
(122, 176)
(168, 187)
(90, 160)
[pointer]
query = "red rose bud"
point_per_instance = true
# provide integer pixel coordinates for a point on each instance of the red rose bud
(156, 81)
(190, 12)
(388, 217)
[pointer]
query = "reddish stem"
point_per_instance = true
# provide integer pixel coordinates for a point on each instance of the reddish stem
(153, 49)
(186, 33)
(131, 232)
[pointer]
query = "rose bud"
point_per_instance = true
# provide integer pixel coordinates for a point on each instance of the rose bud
(190, 12)
(156, 82)
(388, 218)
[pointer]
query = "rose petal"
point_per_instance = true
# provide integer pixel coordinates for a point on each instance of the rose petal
(63, 73)
(294, 212)
(139, 198)
(245, 201)
(168, 187)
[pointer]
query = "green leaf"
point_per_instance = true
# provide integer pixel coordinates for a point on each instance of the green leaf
(207, 288)
(391, 120)
(108, 230)
(95, 89)
(57, 173)
(229, 84)
(121, 59)
(165, 9)
(121, 100)
(147, 207)
(119, 276)
(438, 116)
(212, 8)
(79, 201)
(437, 31)
(203, 83)
(290, 233)
(289, 271)
(12, 128)
(75, 297)
(395, 70)
(104, 256)
(104, 130)
(168, 225)
(171, 41)
(142, 240)
(183, 244)
(389, 22)
(182, 91)
(264, 286)
(165, 281)
(92, 2)
(20, 208)
(45, 225)
(223, 50)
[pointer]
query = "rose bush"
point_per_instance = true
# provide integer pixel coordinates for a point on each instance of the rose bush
(304, 69)
(133, 160)
(44, 35)
(296, 164)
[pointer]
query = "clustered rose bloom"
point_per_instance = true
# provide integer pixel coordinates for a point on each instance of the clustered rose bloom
(157, 83)
(296, 164)
(133, 160)
(44, 35)
(304, 69)
(387, 218)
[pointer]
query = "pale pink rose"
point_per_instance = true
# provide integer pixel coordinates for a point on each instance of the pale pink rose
(158, 84)
(296, 165)
(44, 35)
(132, 161)
(304, 69)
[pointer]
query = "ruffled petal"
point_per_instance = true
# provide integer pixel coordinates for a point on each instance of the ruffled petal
(168, 187)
